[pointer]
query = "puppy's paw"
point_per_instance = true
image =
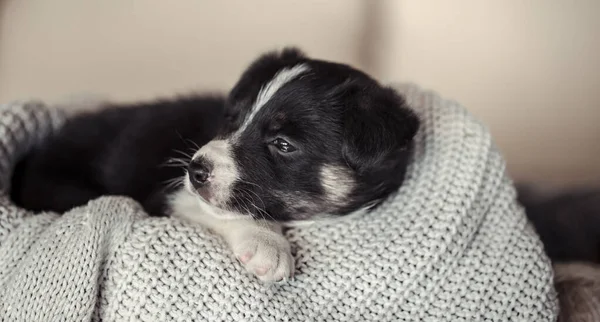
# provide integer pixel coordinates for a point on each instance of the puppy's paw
(266, 254)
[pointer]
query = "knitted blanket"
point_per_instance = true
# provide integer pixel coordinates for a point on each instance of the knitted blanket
(451, 245)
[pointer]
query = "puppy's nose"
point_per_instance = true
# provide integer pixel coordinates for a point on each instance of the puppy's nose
(199, 173)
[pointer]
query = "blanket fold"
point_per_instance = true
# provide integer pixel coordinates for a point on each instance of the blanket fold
(451, 245)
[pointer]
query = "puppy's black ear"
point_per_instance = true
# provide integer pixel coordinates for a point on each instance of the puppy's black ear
(291, 53)
(378, 129)
(262, 70)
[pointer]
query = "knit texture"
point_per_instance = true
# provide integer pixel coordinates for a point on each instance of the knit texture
(451, 245)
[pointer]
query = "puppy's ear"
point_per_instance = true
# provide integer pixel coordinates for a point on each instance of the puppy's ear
(378, 128)
(262, 70)
(291, 53)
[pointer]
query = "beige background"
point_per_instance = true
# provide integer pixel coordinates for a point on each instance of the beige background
(529, 69)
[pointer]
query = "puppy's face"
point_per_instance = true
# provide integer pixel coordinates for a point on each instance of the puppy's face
(304, 138)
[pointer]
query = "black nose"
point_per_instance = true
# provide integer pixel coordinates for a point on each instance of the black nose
(199, 172)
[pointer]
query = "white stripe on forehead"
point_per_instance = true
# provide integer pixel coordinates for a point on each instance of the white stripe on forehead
(282, 77)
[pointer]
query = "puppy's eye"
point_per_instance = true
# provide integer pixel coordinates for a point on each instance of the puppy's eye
(283, 145)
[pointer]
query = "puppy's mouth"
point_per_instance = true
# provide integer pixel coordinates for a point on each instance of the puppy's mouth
(204, 196)
(203, 193)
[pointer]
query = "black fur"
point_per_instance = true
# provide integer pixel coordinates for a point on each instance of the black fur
(333, 114)
(121, 150)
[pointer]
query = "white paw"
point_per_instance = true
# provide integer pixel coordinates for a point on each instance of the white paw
(265, 253)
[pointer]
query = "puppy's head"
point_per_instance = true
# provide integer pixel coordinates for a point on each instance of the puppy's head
(304, 137)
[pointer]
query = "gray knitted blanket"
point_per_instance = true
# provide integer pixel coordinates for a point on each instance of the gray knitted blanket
(451, 245)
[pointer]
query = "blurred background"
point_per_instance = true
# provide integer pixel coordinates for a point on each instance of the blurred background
(529, 69)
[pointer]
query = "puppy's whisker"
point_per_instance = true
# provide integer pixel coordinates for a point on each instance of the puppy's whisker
(182, 166)
(172, 180)
(243, 205)
(177, 179)
(194, 144)
(173, 183)
(260, 211)
(175, 162)
(250, 183)
(250, 191)
(186, 155)
(257, 196)
(182, 139)
(243, 201)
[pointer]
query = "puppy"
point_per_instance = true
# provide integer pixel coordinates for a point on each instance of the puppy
(296, 139)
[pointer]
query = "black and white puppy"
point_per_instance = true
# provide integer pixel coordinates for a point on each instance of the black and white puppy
(296, 139)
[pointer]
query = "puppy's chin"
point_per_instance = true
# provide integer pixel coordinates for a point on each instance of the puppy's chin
(188, 204)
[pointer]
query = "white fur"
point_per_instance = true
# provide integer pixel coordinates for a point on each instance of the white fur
(224, 172)
(259, 245)
(282, 77)
(219, 152)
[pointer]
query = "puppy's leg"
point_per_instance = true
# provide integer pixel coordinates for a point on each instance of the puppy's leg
(259, 246)
(51, 194)
(38, 189)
